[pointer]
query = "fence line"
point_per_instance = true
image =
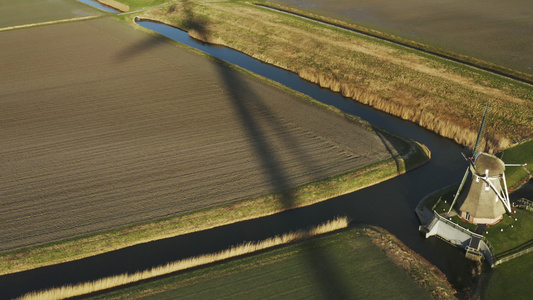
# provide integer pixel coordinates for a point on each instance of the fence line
(471, 233)
(508, 258)
(524, 203)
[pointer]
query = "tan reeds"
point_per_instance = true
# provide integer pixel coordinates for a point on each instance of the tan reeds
(458, 133)
(115, 4)
(205, 37)
(118, 280)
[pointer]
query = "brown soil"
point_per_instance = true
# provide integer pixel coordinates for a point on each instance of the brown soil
(104, 126)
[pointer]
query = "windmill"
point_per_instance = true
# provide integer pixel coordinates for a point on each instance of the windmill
(480, 197)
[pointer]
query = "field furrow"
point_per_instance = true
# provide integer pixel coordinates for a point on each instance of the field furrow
(104, 126)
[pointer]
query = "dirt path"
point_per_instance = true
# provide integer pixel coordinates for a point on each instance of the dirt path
(103, 125)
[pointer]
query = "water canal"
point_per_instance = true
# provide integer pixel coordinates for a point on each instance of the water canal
(390, 204)
(99, 5)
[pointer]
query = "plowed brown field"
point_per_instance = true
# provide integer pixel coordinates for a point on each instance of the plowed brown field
(103, 125)
(497, 31)
(25, 12)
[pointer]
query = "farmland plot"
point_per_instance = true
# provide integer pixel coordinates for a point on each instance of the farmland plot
(23, 12)
(496, 31)
(104, 126)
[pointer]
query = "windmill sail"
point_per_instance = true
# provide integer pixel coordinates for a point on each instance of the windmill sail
(480, 132)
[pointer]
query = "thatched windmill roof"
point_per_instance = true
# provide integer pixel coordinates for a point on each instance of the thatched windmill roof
(485, 161)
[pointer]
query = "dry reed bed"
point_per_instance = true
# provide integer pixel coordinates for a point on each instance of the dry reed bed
(116, 5)
(439, 95)
(246, 248)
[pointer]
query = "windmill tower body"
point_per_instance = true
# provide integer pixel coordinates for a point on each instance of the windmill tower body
(483, 200)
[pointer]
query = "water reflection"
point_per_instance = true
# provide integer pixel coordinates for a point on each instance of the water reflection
(98, 5)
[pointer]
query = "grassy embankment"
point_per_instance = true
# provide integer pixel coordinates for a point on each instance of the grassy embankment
(511, 280)
(362, 262)
(438, 94)
(517, 231)
(250, 247)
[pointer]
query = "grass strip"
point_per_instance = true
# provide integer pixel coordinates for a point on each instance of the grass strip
(118, 280)
(511, 280)
(49, 23)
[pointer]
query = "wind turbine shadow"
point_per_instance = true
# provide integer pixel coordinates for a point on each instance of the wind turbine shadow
(246, 103)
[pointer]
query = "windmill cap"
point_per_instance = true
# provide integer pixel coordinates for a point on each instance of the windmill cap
(485, 161)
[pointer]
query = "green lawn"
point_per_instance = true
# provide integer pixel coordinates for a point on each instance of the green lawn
(512, 234)
(512, 239)
(342, 265)
(511, 280)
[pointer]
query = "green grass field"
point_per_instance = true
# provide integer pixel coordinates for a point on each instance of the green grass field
(512, 234)
(511, 280)
(342, 265)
